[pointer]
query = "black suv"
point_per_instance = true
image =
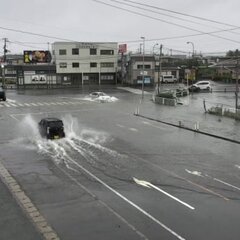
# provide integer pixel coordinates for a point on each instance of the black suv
(2, 94)
(51, 128)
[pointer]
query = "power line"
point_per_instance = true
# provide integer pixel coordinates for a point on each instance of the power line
(175, 24)
(183, 14)
(157, 12)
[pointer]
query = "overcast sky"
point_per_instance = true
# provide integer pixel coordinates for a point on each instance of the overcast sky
(88, 20)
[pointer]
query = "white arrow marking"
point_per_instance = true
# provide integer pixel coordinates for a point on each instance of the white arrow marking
(237, 166)
(194, 172)
(150, 185)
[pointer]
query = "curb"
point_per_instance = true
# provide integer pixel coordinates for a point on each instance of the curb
(190, 129)
(27, 206)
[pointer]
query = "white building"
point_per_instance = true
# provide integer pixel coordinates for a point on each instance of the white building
(80, 63)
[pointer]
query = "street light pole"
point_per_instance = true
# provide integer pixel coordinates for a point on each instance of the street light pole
(143, 77)
(193, 51)
(237, 88)
(154, 47)
(160, 68)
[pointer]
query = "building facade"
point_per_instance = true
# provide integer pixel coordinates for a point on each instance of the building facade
(151, 69)
(82, 63)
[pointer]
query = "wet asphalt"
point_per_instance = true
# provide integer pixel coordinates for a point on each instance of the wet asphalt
(88, 186)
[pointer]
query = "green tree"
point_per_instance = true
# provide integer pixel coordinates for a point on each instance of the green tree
(232, 53)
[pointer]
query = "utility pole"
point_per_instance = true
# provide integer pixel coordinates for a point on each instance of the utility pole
(160, 68)
(143, 68)
(4, 60)
(237, 88)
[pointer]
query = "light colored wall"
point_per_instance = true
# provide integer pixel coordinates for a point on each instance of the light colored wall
(84, 58)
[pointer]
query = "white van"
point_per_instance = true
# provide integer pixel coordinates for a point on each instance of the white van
(168, 79)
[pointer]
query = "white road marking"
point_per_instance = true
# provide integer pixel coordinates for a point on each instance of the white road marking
(12, 104)
(7, 105)
(20, 104)
(119, 125)
(133, 129)
(46, 103)
(11, 100)
(26, 104)
(103, 203)
(152, 125)
(127, 200)
(34, 104)
(52, 103)
(225, 183)
(12, 116)
(150, 185)
(40, 104)
(237, 166)
(199, 174)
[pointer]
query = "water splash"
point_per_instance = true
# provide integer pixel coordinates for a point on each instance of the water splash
(79, 144)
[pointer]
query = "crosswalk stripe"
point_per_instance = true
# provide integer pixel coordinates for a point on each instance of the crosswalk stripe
(11, 104)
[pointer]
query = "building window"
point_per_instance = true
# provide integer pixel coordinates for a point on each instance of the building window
(62, 52)
(63, 65)
(107, 65)
(147, 66)
(75, 65)
(93, 64)
(107, 77)
(106, 52)
(75, 51)
(93, 51)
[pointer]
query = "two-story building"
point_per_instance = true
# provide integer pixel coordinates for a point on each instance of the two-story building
(81, 63)
(151, 69)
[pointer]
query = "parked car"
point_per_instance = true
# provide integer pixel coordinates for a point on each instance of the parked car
(2, 94)
(203, 85)
(51, 128)
(194, 89)
(168, 79)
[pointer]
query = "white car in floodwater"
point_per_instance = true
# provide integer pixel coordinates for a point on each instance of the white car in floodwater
(101, 97)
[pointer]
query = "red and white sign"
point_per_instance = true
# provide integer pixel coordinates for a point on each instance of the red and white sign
(122, 48)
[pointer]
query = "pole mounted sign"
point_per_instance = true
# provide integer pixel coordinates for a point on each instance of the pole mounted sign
(122, 48)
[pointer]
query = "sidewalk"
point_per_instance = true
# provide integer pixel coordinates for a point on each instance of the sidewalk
(14, 224)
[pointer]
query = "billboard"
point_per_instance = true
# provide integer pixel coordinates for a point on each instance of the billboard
(37, 56)
(122, 48)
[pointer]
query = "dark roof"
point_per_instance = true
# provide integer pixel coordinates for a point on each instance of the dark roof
(52, 119)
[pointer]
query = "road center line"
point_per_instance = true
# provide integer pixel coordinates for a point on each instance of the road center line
(128, 201)
(103, 203)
